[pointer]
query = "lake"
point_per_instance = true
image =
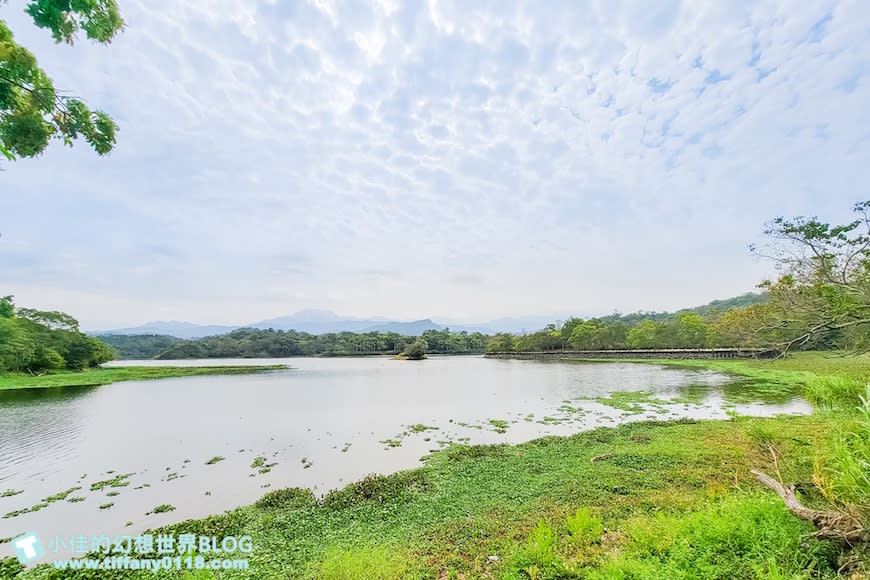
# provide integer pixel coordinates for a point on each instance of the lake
(320, 424)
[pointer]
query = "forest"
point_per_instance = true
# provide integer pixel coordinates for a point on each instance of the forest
(35, 341)
(691, 328)
(270, 343)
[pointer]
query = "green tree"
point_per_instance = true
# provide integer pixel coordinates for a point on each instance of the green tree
(691, 331)
(7, 309)
(501, 342)
(647, 334)
(824, 291)
(416, 350)
(34, 341)
(587, 335)
(31, 111)
(614, 335)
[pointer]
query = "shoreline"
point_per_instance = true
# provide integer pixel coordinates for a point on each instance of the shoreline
(95, 377)
(473, 511)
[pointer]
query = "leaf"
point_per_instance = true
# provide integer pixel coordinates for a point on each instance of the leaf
(6, 153)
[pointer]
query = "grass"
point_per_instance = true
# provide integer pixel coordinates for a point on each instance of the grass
(643, 500)
(106, 375)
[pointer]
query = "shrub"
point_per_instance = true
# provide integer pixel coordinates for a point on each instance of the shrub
(416, 350)
(376, 488)
(287, 498)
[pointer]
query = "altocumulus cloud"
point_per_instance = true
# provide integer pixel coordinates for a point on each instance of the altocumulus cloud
(411, 159)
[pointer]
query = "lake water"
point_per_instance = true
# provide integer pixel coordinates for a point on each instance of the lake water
(322, 423)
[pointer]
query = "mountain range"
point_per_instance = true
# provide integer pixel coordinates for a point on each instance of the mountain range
(325, 321)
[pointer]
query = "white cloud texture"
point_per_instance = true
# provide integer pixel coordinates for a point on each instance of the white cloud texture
(413, 159)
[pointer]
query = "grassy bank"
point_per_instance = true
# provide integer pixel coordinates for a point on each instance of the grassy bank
(103, 376)
(644, 500)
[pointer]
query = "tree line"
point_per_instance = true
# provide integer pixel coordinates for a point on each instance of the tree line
(270, 343)
(820, 301)
(685, 329)
(36, 341)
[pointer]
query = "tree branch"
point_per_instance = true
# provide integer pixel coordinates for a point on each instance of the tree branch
(830, 525)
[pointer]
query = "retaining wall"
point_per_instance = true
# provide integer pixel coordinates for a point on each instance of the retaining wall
(668, 353)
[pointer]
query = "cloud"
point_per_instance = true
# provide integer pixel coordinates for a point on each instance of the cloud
(484, 159)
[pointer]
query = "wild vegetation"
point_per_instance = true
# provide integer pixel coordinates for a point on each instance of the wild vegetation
(644, 500)
(415, 350)
(35, 341)
(46, 349)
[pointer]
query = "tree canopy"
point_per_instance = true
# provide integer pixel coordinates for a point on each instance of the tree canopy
(267, 343)
(822, 297)
(31, 109)
(36, 341)
(416, 350)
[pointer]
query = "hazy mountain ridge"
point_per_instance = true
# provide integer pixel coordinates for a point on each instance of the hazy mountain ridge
(315, 321)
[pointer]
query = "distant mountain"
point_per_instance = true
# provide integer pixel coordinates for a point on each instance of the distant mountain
(720, 306)
(325, 321)
(141, 346)
(514, 325)
(317, 322)
(310, 321)
(414, 328)
(711, 308)
(174, 328)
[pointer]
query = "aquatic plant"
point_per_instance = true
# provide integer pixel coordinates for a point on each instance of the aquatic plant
(117, 481)
(161, 509)
(62, 495)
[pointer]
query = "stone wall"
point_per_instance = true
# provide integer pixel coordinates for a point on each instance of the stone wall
(669, 353)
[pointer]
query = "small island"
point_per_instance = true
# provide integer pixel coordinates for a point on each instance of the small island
(414, 351)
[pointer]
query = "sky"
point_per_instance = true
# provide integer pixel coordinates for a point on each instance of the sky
(455, 160)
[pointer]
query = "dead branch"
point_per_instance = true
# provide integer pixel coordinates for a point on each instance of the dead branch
(830, 525)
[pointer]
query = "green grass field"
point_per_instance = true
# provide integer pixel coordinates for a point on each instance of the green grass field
(107, 375)
(643, 500)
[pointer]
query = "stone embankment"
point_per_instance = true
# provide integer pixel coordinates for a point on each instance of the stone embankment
(667, 353)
